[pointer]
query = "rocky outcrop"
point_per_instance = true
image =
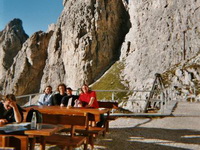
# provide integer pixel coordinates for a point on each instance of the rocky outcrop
(163, 34)
(25, 74)
(91, 35)
(86, 41)
(11, 41)
(164, 38)
(184, 79)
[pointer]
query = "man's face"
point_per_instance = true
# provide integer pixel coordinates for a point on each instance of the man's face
(61, 89)
(48, 90)
(69, 92)
(7, 103)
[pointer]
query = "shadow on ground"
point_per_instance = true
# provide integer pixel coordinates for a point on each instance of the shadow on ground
(140, 138)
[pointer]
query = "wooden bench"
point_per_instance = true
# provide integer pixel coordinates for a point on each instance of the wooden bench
(7, 148)
(17, 142)
(56, 115)
(70, 121)
(74, 124)
(110, 105)
(92, 131)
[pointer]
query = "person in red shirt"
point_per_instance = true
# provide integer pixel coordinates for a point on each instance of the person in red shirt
(88, 97)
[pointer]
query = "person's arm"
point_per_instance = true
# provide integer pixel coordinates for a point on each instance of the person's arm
(3, 121)
(40, 101)
(51, 101)
(17, 114)
(91, 102)
(63, 101)
(48, 100)
(92, 99)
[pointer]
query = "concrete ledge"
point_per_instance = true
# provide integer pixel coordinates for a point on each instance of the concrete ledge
(167, 111)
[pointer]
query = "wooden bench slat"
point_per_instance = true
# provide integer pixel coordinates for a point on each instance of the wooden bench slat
(110, 105)
(64, 140)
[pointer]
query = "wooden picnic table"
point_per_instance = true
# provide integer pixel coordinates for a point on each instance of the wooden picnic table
(57, 110)
(44, 131)
(57, 115)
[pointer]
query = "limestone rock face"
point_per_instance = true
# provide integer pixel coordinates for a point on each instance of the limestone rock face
(163, 34)
(164, 38)
(11, 40)
(154, 36)
(86, 41)
(25, 74)
(186, 78)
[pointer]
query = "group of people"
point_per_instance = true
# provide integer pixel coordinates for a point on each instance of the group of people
(64, 97)
(10, 111)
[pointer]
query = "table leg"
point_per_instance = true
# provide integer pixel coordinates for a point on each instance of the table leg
(107, 121)
(42, 143)
(32, 142)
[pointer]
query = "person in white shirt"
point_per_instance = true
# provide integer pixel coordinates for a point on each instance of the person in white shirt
(45, 97)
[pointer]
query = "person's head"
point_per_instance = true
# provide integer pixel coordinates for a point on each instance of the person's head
(9, 98)
(61, 88)
(85, 88)
(69, 91)
(48, 89)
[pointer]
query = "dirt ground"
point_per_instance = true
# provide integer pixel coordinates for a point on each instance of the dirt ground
(178, 132)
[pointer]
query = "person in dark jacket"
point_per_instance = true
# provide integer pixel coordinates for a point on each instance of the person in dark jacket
(57, 98)
(70, 99)
(10, 111)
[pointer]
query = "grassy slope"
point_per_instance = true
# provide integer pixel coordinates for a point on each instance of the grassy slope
(111, 80)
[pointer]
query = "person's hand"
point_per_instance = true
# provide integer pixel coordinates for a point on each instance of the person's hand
(78, 103)
(68, 107)
(13, 104)
(87, 106)
(3, 121)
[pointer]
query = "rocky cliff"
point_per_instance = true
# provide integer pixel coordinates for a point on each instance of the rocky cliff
(163, 34)
(24, 76)
(11, 41)
(147, 37)
(164, 38)
(86, 41)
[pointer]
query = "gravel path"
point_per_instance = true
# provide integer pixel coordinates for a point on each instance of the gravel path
(180, 132)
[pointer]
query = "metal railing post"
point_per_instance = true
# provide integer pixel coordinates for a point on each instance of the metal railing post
(165, 98)
(162, 107)
(113, 96)
(30, 100)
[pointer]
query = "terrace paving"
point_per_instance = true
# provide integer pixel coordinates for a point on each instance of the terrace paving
(179, 131)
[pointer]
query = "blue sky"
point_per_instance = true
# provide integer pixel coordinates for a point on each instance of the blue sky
(35, 14)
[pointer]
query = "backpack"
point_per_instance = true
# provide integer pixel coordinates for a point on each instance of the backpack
(30, 114)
